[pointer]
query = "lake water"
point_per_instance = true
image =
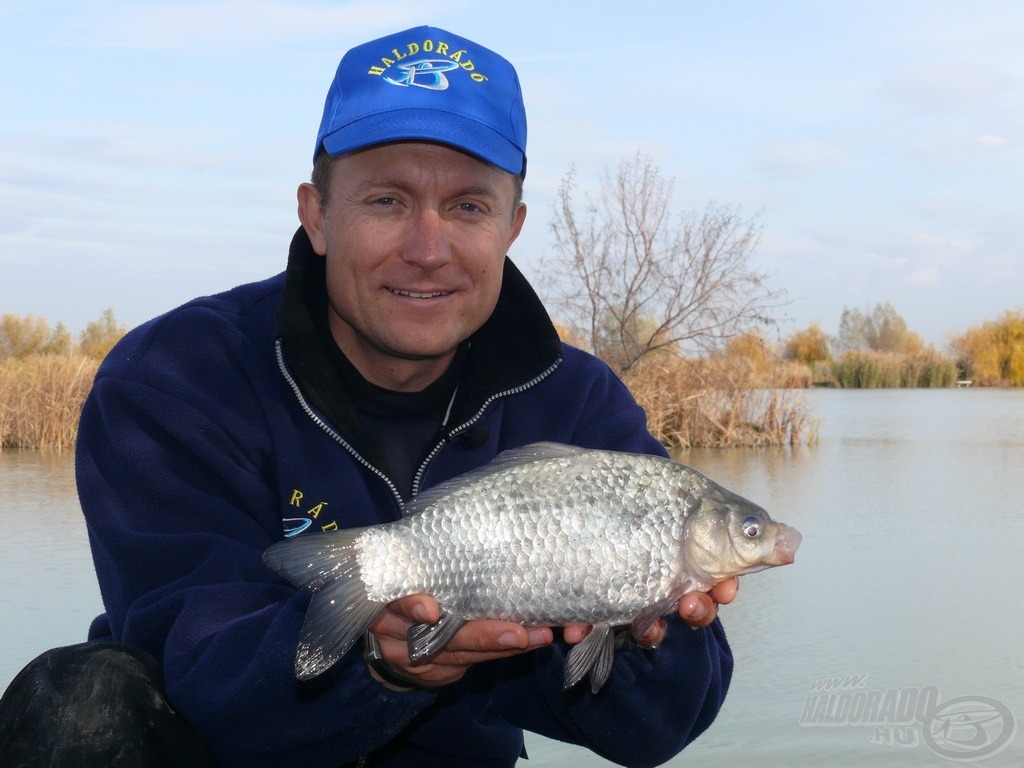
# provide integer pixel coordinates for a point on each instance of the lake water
(906, 597)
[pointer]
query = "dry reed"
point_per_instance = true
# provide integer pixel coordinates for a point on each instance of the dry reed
(877, 370)
(713, 402)
(719, 402)
(41, 399)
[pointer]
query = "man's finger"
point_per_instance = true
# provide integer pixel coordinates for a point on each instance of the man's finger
(697, 609)
(724, 592)
(417, 609)
(654, 635)
(495, 636)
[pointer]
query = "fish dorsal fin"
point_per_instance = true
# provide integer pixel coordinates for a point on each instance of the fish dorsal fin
(513, 457)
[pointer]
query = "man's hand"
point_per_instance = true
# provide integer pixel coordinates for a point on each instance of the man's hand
(698, 609)
(486, 639)
(476, 641)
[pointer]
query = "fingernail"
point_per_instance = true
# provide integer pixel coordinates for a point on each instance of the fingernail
(419, 612)
(509, 640)
(699, 611)
(538, 636)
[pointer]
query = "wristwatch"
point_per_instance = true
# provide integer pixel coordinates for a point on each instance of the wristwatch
(375, 660)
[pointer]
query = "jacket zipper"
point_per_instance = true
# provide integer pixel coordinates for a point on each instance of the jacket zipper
(328, 428)
(418, 477)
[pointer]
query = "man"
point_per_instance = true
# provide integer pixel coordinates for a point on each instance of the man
(399, 349)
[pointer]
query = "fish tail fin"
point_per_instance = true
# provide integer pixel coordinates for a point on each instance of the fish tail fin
(340, 611)
(594, 654)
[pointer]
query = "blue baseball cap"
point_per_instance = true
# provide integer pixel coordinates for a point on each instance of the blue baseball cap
(426, 84)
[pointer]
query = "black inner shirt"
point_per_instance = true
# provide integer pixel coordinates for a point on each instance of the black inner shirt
(403, 426)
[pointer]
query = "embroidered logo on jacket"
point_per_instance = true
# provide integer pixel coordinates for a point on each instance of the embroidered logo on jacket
(293, 526)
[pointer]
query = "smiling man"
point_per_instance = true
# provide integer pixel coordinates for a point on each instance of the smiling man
(400, 348)
(414, 236)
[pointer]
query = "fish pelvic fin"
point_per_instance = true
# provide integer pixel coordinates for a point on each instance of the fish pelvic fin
(340, 610)
(593, 655)
(427, 639)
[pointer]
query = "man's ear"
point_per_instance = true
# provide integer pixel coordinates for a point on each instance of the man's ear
(517, 225)
(311, 214)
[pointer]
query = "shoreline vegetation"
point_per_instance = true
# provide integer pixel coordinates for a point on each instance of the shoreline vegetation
(41, 397)
(45, 377)
(672, 301)
(749, 394)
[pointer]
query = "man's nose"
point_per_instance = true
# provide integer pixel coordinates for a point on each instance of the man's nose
(427, 244)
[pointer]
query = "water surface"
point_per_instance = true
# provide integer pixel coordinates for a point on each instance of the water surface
(912, 510)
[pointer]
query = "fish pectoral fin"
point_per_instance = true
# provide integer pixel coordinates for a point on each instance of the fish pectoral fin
(594, 654)
(427, 639)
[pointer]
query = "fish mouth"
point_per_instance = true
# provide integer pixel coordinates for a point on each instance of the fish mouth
(786, 544)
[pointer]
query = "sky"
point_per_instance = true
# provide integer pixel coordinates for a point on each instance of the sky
(150, 151)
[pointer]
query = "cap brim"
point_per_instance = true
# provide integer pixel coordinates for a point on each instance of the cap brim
(419, 124)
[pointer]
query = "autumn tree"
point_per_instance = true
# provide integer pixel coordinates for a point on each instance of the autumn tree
(636, 278)
(100, 336)
(993, 352)
(808, 346)
(21, 336)
(755, 349)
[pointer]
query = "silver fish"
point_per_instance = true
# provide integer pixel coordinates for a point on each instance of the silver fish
(544, 535)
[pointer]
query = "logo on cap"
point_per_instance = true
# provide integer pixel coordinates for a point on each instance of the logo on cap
(425, 73)
(456, 58)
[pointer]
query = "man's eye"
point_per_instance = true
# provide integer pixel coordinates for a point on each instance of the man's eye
(469, 207)
(385, 201)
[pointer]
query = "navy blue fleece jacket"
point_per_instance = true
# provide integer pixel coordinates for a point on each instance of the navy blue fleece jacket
(216, 428)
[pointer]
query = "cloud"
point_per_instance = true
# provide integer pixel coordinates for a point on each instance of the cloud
(799, 159)
(991, 141)
(945, 87)
(923, 276)
(233, 25)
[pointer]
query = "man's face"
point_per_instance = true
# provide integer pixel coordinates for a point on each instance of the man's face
(414, 236)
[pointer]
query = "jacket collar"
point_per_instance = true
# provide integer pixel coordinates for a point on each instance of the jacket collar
(512, 347)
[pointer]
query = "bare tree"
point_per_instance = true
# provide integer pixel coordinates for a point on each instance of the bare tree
(881, 330)
(854, 331)
(635, 279)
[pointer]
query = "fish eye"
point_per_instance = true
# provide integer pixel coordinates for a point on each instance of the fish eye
(751, 527)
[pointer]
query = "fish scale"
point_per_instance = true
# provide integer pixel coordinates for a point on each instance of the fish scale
(602, 560)
(547, 534)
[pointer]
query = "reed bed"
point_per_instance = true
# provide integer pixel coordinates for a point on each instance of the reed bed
(875, 370)
(713, 402)
(720, 402)
(41, 398)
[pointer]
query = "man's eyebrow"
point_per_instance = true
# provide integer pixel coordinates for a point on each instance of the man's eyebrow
(384, 183)
(476, 190)
(471, 190)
